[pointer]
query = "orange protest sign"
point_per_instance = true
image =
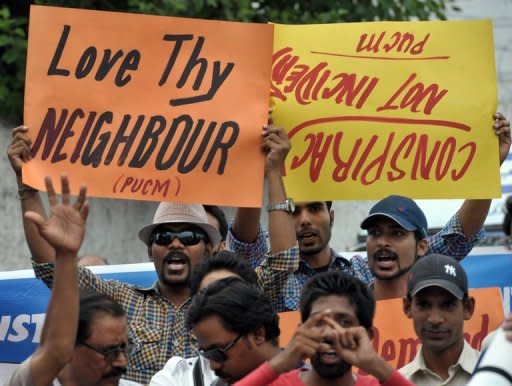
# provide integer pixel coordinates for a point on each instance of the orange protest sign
(147, 107)
(380, 108)
(394, 337)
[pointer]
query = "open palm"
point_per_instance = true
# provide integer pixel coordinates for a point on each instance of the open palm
(65, 228)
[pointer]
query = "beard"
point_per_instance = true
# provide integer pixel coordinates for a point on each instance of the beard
(329, 371)
(401, 271)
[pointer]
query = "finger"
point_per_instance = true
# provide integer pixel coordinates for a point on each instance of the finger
(52, 198)
(64, 189)
(84, 213)
(315, 318)
(21, 139)
(81, 198)
(497, 115)
(19, 129)
(36, 218)
(501, 123)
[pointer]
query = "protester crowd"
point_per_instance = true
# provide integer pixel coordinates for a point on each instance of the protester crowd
(211, 317)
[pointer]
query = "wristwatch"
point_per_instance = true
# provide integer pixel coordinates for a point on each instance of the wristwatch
(287, 206)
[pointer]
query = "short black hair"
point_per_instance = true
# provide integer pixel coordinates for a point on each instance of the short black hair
(241, 307)
(328, 204)
(218, 213)
(227, 260)
(93, 304)
(342, 284)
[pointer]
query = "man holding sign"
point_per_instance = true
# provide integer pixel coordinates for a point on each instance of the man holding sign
(287, 269)
(179, 237)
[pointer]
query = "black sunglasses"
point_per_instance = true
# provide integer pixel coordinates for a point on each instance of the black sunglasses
(219, 355)
(112, 353)
(188, 237)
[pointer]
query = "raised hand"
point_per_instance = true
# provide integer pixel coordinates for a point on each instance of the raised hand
(502, 130)
(19, 149)
(353, 345)
(65, 227)
(276, 146)
(305, 343)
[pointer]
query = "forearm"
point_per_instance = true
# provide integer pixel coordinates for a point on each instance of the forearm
(472, 215)
(30, 200)
(61, 323)
(280, 223)
(246, 224)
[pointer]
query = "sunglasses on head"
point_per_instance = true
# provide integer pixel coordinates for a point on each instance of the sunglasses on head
(187, 237)
(219, 355)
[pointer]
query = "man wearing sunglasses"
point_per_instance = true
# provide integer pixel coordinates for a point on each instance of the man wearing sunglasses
(178, 238)
(236, 327)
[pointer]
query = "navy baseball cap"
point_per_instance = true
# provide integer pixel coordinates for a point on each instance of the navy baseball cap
(402, 210)
(438, 271)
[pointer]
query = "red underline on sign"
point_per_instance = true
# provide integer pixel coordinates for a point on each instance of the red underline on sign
(366, 118)
(380, 57)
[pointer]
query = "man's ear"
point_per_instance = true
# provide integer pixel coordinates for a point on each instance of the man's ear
(259, 335)
(406, 301)
(469, 307)
(421, 247)
(209, 248)
(331, 217)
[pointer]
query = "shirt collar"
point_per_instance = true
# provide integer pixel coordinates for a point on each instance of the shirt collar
(467, 360)
(337, 261)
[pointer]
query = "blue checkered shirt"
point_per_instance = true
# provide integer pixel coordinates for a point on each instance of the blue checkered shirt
(282, 275)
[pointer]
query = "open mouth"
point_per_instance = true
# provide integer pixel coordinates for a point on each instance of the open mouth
(176, 264)
(385, 259)
(329, 357)
(306, 236)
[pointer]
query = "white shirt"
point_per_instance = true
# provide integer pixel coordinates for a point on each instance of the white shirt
(179, 372)
(459, 373)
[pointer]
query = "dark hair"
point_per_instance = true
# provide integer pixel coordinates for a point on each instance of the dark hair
(218, 213)
(328, 204)
(508, 214)
(222, 260)
(342, 284)
(93, 304)
(242, 308)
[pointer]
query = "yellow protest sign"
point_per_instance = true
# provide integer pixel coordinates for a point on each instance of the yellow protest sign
(387, 107)
(147, 107)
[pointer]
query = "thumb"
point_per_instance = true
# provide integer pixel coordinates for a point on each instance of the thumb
(35, 218)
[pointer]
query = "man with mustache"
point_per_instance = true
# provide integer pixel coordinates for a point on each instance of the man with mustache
(179, 237)
(337, 313)
(438, 303)
(305, 233)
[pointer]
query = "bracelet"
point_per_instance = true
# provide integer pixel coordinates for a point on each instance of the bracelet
(24, 191)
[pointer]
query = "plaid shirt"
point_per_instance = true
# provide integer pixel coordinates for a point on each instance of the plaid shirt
(282, 275)
(156, 327)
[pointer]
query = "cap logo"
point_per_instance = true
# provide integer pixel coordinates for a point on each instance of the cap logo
(450, 270)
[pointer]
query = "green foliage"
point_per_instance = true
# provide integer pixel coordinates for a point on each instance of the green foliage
(13, 47)
(13, 30)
